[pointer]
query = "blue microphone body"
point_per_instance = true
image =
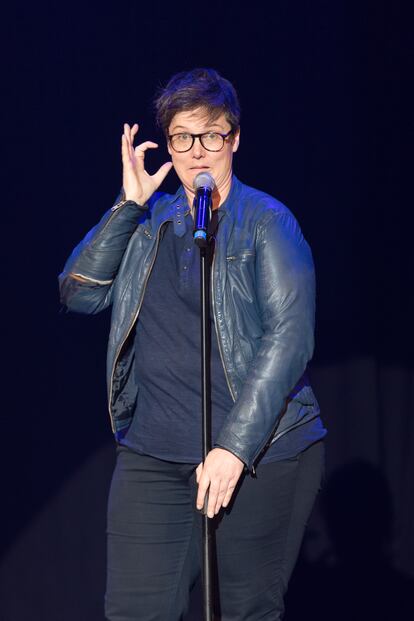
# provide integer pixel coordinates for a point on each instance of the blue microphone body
(204, 185)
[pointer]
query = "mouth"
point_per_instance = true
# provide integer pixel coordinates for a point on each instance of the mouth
(199, 167)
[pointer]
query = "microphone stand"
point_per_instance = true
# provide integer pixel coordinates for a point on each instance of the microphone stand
(207, 530)
(207, 527)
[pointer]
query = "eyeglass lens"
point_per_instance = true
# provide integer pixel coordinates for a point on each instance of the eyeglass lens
(210, 141)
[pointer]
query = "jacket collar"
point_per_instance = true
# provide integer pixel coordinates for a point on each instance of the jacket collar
(232, 197)
(174, 207)
(180, 196)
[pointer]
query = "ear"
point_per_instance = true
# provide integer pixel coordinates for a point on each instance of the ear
(236, 141)
(169, 148)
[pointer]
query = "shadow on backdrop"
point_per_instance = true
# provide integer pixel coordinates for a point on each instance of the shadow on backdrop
(354, 578)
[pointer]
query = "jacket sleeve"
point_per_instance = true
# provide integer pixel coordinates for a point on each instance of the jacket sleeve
(285, 289)
(86, 283)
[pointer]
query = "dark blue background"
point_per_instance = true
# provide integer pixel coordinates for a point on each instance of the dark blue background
(326, 111)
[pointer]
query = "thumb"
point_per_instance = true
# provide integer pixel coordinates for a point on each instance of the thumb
(162, 172)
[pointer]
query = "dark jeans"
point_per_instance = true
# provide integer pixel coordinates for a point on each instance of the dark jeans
(154, 537)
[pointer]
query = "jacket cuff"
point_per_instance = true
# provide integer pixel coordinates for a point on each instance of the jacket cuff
(232, 444)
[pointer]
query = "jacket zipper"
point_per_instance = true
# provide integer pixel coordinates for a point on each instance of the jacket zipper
(219, 344)
(135, 316)
(95, 280)
(217, 334)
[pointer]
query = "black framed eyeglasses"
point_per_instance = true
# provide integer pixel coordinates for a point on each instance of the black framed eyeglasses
(211, 141)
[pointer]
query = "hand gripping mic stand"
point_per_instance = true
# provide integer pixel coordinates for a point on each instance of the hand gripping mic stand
(204, 185)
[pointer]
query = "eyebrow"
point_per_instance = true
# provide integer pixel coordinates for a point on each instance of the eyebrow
(187, 130)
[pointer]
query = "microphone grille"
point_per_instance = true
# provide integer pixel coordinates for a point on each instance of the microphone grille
(204, 180)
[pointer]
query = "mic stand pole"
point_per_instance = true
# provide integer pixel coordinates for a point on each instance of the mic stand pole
(206, 413)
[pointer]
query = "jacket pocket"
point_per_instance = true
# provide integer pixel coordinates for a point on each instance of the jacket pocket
(241, 256)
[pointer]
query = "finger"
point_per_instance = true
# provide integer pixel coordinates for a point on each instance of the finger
(228, 495)
(213, 493)
(139, 152)
(220, 497)
(199, 471)
(202, 489)
(125, 150)
(134, 131)
(127, 134)
(148, 144)
(131, 142)
(162, 172)
(130, 133)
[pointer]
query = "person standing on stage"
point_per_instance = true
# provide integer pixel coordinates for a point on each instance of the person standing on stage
(264, 470)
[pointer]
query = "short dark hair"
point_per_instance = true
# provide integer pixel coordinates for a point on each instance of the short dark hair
(198, 88)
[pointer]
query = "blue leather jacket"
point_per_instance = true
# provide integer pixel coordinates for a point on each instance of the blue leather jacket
(263, 299)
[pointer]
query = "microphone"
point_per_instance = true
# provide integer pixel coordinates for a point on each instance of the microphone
(203, 185)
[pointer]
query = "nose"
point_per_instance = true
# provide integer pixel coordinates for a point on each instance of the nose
(198, 150)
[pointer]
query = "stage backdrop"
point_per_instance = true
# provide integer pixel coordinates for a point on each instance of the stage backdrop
(325, 115)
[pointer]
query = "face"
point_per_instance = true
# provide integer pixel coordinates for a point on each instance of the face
(219, 164)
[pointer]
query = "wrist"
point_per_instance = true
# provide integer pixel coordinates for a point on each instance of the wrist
(132, 194)
(231, 451)
(139, 200)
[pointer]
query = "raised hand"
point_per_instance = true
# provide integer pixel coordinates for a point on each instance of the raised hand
(137, 183)
(218, 475)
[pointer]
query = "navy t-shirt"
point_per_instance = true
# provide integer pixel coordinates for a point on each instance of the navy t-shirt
(167, 418)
